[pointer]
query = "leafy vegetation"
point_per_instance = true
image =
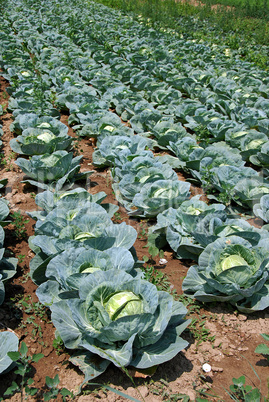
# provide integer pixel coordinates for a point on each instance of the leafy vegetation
(23, 362)
(231, 26)
(178, 90)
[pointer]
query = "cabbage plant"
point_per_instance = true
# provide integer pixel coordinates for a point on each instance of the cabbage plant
(66, 271)
(231, 270)
(261, 158)
(55, 169)
(39, 141)
(249, 191)
(180, 227)
(132, 183)
(120, 319)
(158, 196)
(69, 200)
(31, 120)
(167, 131)
(252, 143)
(114, 150)
(8, 266)
(62, 228)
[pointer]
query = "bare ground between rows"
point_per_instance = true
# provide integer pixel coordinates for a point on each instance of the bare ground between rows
(220, 336)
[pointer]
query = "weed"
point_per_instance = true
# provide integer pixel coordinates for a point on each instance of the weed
(242, 392)
(161, 388)
(8, 164)
(25, 277)
(262, 348)
(159, 279)
(199, 332)
(77, 146)
(142, 231)
(21, 258)
(19, 223)
(54, 390)
(36, 309)
(3, 161)
(58, 345)
(117, 216)
(23, 363)
(37, 331)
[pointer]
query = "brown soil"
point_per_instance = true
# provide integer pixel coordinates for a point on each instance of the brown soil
(218, 336)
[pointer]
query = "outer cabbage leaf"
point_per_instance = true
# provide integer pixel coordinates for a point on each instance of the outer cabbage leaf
(9, 342)
(261, 209)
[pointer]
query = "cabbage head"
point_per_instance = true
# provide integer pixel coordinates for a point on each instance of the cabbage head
(231, 270)
(120, 319)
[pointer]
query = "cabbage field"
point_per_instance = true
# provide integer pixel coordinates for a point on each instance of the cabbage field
(134, 210)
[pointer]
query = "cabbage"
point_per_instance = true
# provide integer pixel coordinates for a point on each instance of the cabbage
(231, 270)
(120, 319)
(55, 169)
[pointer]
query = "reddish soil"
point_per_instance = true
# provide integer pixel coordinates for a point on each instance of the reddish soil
(219, 335)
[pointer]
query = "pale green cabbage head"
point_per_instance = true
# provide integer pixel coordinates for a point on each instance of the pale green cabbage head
(123, 304)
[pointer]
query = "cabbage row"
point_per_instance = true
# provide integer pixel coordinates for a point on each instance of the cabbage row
(85, 265)
(8, 268)
(88, 275)
(211, 111)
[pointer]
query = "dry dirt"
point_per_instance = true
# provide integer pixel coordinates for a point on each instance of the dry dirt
(216, 7)
(219, 335)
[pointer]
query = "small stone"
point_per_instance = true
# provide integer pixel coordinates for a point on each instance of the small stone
(47, 351)
(217, 342)
(191, 394)
(242, 317)
(205, 347)
(61, 358)
(217, 369)
(243, 349)
(206, 368)
(131, 392)
(225, 345)
(144, 391)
